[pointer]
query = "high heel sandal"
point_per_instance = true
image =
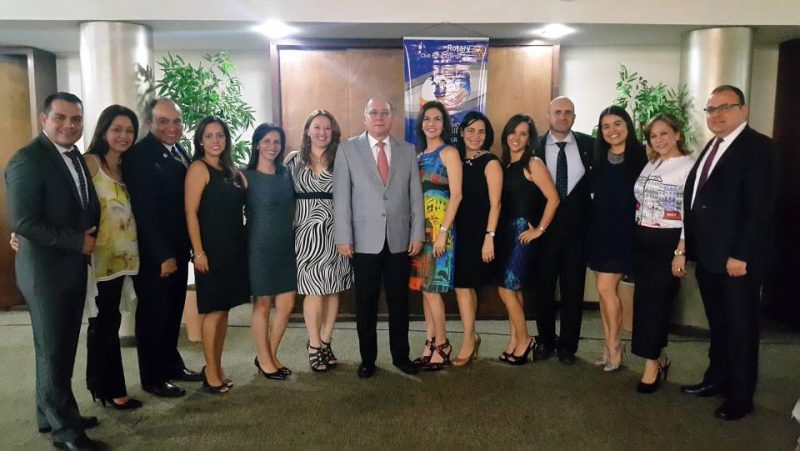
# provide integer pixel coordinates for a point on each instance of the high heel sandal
(430, 345)
(220, 389)
(473, 356)
(522, 359)
(328, 352)
(603, 360)
(275, 376)
(131, 403)
(614, 367)
(316, 358)
(438, 366)
(661, 378)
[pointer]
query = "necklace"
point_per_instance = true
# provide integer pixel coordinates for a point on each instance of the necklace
(615, 158)
(468, 160)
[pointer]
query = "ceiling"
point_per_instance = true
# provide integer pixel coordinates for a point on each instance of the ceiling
(62, 36)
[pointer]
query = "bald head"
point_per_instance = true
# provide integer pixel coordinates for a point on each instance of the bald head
(165, 120)
(561, 116)
(378, 117)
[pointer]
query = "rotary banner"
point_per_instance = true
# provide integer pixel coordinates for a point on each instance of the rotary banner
(450, 70)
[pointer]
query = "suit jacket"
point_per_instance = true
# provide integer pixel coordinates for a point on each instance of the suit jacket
(155, 183)
(576, 208)
(45, 212)
(367, 214)
(731, 214)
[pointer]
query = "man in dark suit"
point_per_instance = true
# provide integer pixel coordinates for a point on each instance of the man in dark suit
(562, 249)
(154, 171)
(54, 212)
(379, 224)
(730, 193)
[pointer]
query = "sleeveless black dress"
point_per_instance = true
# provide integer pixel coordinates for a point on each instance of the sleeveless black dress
(221, 218)
(473, 213)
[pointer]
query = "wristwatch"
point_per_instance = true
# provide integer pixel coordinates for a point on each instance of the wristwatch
(540, 228)
(443, 229)
(490, 233)
(679, 253)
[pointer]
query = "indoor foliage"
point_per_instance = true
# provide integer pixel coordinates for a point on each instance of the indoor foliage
(205, 90)
(643, 101)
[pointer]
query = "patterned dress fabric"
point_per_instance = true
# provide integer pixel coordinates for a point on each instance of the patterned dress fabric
(116, 251)
(320, 268)
(429, 273)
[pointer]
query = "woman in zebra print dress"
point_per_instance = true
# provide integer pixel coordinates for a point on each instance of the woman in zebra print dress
(321, 272)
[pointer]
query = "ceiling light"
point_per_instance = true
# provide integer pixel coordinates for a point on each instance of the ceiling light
(275, 29)
(554, 31)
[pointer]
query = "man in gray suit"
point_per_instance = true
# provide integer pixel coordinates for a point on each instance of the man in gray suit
(379, 224)
(54, 212)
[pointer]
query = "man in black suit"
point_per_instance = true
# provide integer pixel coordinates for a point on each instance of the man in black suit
(154, 171)
(54, 212)
(730, 200)
(562, 249)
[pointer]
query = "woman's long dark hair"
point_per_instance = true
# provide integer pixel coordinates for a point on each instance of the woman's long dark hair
(99, 145)
(634, 155)
(225, 159)
(258, 134)
(511, 125)
(447, 124)
(305, 147)
(468, 120)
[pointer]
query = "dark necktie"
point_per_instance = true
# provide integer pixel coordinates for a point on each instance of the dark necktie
(75, 157)
(177, 155)
(562, 181)
(383, 162)
(707, 165)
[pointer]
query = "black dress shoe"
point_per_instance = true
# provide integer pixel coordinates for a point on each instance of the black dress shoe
(542, 351)
(702, 390)
(187, 375)
(165, 390)
(366, 370)
(567, 358)
(86, 423)
(731, 411)
(407, 367)
(81, 443)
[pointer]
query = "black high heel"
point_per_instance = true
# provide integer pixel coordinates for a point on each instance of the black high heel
(430, 344)
(521, 359)
(220, 389)
(661, 378)
(276, 376)
(316, 359)
(438, 366)
(328, 353)
(131, 403)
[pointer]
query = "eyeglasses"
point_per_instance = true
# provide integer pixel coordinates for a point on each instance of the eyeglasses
(382, 114)
(163, 122)
(724, 108)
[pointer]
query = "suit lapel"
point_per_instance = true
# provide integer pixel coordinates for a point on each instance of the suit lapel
(395, 160)
(58, 161)
(689, 188)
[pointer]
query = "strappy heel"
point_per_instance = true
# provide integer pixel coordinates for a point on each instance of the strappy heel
(603, 360)
(661, 379)
(316, 358)
(438, 366)
(330, 358)
(430, 345)
(614, 367)
(522, 359)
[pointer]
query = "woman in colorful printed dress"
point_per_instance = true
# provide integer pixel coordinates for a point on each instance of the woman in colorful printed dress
(529, 197)
(321, 272)
(432, 270)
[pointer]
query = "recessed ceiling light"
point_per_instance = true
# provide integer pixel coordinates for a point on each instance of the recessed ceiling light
(554, 31)
(275, 29)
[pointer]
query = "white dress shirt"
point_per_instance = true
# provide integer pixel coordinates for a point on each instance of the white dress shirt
(373, 144)
(723, 146)
(575, 169)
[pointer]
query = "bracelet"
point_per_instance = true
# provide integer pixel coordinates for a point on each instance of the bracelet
(540, 228)
(490, 233)
(679, 253)
(199, 254)
(443, 229)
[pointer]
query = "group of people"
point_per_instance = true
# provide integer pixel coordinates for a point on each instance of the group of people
(437, 219)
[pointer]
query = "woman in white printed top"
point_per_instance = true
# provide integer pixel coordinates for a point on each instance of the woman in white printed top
(658, 257)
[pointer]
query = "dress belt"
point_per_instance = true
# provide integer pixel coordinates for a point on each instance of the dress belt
(314, 195)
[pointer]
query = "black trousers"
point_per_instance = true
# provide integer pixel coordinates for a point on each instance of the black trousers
(656, 288)
(104, 375)
(561, 257)
(158, 321)
(56, 323)
(732, 309)
(369, 271)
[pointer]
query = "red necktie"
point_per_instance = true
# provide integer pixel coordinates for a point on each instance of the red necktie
(383, 162)
(707, 165)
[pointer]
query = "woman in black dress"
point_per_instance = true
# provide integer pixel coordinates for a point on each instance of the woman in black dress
(476, 222)
(271, 253)
(214, 201)
(529, 203)
(618, 160)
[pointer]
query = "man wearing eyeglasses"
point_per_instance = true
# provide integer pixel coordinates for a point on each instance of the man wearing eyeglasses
(154, 171)
(727, 223)
(379, 224)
